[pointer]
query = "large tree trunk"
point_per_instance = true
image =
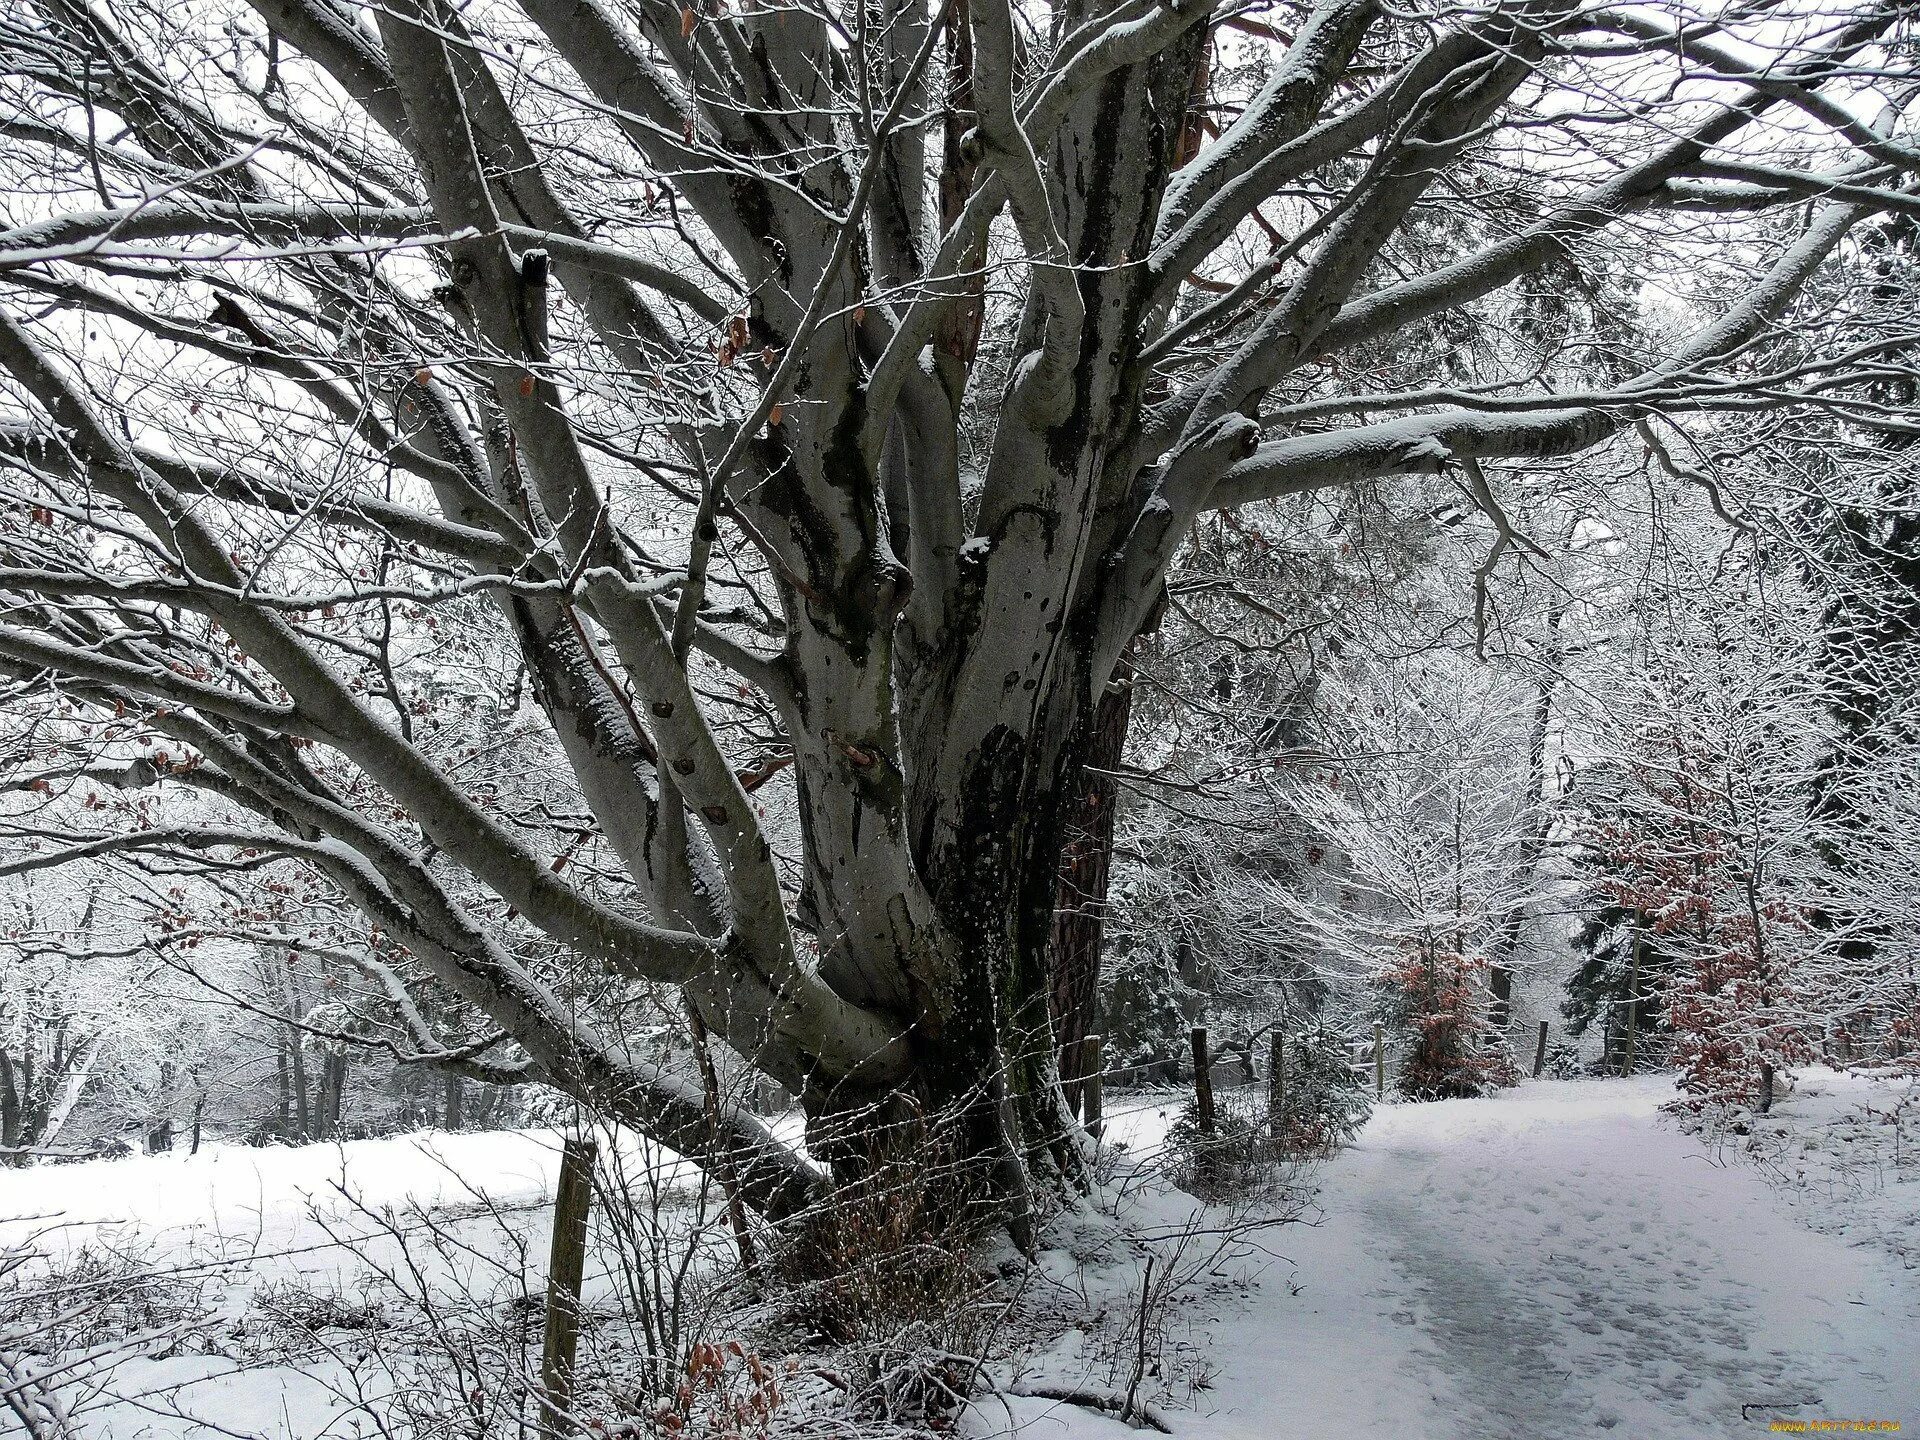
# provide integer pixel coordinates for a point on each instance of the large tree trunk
(999, 691)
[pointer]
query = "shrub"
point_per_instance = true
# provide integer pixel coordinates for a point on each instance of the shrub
(304, 1310)
(729, 1393)
(1433, 993)
(1563, 1062)
(886, 1252)
(1323, 1101)
(1237, 1163)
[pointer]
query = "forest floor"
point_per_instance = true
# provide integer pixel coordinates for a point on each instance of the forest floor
(1560, 1260)
(1563, 1259)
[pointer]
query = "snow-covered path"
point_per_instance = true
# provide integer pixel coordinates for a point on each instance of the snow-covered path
(1560, 1261)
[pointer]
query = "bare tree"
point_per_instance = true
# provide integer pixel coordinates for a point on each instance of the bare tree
(807, 390)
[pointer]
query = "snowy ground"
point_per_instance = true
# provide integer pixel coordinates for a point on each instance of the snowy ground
(1563, 1260)
(1560, 1260)
(226, 1231)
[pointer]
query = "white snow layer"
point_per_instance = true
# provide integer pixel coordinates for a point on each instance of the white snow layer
(1560, 1260)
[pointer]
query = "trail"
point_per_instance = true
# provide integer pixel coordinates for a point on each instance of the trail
(1559, 1260)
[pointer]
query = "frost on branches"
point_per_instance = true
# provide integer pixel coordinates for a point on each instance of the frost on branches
(1708, 900)
(1706, 854)
(1418, 840)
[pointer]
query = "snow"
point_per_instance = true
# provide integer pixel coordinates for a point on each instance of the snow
(1843, 1149)
(1564, 1259)
(1561, 1259)
(268, 1199)
(233, 1221)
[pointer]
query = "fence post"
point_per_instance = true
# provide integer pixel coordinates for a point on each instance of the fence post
(1202, 1081)
(566, 1265)
(1277, 1084)
(1540, 1051)
(1090, 1087)
(1379, 1061)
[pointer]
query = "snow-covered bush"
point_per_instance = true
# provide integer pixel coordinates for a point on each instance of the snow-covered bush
(1237, 1163)
(1321, 1101)
(1562, 1061)
(1433, 998)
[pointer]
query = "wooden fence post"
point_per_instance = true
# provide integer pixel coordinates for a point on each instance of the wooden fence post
(1202, 1081)
(1540, 1051)
(1379, 1061)
(566, 1266)
(1277, 1084)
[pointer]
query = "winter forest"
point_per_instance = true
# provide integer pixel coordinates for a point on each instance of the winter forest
(742, 719)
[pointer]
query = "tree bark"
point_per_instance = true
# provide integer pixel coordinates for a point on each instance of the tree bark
(1202, 1081)
(327, 1103)
(283, 1083)
(566, 1266)
(454, 1114)
(1079, 925)
(1633, 991)
(1277, 1084)
(10, 1106)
